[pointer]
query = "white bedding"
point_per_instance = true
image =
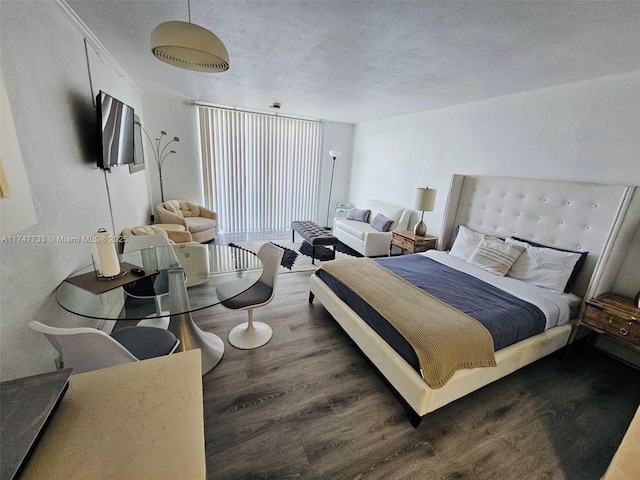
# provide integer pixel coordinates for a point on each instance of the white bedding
(557, 308)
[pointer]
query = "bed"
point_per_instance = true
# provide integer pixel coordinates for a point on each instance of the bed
(592, 220)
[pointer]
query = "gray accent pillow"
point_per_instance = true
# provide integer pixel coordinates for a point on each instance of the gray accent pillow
(381, 223)
(358, 214)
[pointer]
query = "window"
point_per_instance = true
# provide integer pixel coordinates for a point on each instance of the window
(260, 171)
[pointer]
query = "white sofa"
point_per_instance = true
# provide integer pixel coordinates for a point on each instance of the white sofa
(365, 239)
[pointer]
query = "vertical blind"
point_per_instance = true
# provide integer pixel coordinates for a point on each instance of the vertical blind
(260, 172)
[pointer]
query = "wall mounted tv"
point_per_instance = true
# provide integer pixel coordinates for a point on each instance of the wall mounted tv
(115, 132)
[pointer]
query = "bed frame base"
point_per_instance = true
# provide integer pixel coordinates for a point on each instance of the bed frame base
(418, 396)
(414, 418)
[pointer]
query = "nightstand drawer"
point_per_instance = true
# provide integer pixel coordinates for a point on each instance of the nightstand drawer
(412, 243)
(403, 242)
(625, 327)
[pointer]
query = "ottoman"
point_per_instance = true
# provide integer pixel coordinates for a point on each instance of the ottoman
(314, 235)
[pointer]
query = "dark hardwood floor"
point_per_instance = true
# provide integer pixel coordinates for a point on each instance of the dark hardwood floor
(308, 406)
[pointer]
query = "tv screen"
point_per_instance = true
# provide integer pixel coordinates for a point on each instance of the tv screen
(115, 132)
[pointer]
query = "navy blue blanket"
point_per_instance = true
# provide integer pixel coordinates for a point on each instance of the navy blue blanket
(506, 317)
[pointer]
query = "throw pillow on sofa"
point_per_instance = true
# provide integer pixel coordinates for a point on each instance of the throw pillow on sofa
(381, 223)
(358, 214)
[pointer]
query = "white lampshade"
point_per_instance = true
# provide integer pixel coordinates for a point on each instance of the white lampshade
(334, 154)
(189, 46)
(425, 199)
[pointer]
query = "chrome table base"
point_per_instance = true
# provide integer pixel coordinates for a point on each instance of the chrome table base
(183, 327)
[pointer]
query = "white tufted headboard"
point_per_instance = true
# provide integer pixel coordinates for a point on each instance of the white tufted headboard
(577, 216)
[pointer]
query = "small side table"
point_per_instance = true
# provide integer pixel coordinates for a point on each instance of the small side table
(342, 208)
(614, 316)
(412, 243)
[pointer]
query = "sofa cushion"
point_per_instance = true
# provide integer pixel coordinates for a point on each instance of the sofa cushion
(182, 208)
(200, 224)
(381, 223)
(173, 206)
(358, 215)
(392, 212)
(353, 227)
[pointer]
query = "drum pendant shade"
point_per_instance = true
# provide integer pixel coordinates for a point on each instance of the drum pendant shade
(189, 46)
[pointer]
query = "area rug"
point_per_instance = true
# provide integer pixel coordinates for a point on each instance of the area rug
(297, 255)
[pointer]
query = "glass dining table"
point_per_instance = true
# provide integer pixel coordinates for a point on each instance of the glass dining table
(171, 281)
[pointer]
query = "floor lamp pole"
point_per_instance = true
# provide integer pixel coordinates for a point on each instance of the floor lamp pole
(330, 188)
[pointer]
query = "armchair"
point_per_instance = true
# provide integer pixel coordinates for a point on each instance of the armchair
(201, 222)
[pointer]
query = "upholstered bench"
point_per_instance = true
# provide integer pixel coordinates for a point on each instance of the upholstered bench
(314, 235)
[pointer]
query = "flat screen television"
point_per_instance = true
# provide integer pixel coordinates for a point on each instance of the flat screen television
(115, 132)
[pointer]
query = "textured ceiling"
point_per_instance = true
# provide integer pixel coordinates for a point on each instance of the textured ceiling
(354, 61)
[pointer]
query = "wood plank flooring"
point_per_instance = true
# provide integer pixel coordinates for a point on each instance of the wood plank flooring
(308, 406)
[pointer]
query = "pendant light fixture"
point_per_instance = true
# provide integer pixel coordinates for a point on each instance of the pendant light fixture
(189, 46)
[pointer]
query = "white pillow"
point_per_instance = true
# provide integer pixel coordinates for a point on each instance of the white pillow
(465, 243)
(544, 267)
(495, 256)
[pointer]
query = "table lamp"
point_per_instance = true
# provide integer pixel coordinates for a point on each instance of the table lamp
(425, 200)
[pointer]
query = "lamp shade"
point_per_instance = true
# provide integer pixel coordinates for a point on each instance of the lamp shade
(334, 153)
(425, 199)
(189, 46)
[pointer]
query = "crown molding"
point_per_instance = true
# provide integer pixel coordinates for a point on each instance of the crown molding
(95, 43)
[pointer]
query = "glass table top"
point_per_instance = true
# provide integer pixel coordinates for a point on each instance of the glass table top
(206, 267)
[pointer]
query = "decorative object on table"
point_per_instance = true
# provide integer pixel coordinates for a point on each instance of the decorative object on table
(637, 300)
(160, 152)
(91, 283)
(425, 201)
(333, 154)
(189, 46)
(105, 257)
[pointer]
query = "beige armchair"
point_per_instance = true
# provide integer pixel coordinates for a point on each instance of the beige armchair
(201, 222)
(177, 235)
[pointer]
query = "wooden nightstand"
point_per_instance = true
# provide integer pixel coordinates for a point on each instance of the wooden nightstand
(614, 316)
(407, 240)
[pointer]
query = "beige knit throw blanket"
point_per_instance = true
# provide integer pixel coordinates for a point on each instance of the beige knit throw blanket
(444, 339)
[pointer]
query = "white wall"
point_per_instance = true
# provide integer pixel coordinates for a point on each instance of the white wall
(182, 173)
(586, 131)
(44, 67)
(337, 137)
